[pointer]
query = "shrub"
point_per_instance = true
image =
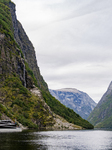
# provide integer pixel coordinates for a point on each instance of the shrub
(0, 115)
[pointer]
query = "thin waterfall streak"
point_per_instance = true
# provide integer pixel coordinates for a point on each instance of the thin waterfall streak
(24, 75)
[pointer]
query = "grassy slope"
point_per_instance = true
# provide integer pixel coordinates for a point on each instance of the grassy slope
(18, 101)
(101, 117)
(65, 112)
(15, 100)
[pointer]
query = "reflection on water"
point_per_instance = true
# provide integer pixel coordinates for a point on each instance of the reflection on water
(57, 140)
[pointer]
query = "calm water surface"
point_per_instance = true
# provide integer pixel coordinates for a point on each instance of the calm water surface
(57, 140)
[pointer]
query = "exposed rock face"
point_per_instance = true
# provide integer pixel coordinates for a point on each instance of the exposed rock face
(16, 101)
(37, 92)
(62, 124)
(26, 47)
(59, 123)
(101, 116)
(20, 99)
(79, 101)
(10, 63)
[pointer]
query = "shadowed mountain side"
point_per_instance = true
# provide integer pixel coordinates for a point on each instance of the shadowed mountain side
(101, 116)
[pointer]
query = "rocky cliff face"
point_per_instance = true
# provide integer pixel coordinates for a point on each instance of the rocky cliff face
(26, 47)
(17, 102)
(79, 101)
(101, 116)
(11, 63)
(24, 95)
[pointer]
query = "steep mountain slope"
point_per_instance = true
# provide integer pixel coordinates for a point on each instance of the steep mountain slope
(101, 116)
(16, 101)
(20, 77)
(27, 48)
(79, 101)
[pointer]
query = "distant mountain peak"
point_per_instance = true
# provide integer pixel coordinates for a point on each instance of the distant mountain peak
(73, 90)
(77, 100)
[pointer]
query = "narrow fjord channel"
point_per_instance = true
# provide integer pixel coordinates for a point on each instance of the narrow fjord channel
(57, 140)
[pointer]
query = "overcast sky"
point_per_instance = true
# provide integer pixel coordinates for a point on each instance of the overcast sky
(72, 40)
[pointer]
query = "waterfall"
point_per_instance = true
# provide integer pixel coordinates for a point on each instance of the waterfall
(24, 74)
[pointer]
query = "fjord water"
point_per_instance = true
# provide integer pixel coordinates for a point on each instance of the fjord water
(57, 140)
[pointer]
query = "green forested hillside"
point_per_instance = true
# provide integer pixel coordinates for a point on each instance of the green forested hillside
(17, 79)
(65, 112)
(16, 101)
(101, 116)
(5, 20)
